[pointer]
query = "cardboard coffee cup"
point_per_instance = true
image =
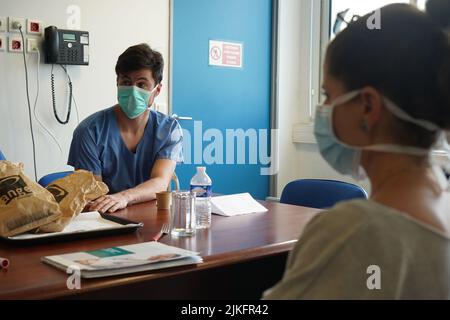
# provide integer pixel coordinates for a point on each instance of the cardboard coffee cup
(163, 200)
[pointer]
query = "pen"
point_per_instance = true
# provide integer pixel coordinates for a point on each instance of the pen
(4, 263)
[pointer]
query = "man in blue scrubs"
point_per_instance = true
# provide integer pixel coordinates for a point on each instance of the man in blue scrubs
(131, 148)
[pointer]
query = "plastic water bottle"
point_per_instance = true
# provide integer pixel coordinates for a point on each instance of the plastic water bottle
(201, 184)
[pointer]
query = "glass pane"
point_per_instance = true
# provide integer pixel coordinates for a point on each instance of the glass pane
(350, 8)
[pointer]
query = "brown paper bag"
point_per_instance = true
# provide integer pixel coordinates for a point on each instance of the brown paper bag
(24, 204)
(73, 192)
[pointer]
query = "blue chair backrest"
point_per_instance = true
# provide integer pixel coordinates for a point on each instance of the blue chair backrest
(48, 179)
(320, 194)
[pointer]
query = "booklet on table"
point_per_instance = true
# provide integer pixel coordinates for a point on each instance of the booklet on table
(123, 260)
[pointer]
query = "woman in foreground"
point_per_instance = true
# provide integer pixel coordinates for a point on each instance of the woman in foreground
(387, 106)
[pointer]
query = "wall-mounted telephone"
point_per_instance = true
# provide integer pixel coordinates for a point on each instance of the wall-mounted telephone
(66, 47)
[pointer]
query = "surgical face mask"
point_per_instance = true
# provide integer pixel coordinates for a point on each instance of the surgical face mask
(133, 100)
(345, 158)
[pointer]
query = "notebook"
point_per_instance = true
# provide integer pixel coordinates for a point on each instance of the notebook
(236, 204)
(124, 260)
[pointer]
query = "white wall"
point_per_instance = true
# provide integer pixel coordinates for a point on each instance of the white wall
(113, 26)
(297, 161)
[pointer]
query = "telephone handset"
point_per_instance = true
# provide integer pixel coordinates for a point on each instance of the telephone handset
(66, 47)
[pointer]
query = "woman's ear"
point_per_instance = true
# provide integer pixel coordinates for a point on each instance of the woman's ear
(372, 102)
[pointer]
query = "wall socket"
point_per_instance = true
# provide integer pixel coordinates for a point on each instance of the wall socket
(34, 26)
(15, 44)
(13, 24)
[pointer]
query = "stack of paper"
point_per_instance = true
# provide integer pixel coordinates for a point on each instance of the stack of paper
(236, 204)
(122, 260)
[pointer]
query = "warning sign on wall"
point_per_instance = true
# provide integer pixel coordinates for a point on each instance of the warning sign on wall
(225, 54)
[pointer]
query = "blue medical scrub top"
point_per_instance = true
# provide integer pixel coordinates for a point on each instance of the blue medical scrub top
(97, 146)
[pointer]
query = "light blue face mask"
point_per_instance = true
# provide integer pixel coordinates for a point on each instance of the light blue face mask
(133, 100)
(339, 156)
(345, 158)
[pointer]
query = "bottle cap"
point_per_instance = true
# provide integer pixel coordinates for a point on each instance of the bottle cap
(201, 169)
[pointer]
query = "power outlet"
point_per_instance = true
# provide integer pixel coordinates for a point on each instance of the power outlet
(3, 24)
(34, 26)
(32, 45)
(14, 24)
(2, 42)
(15, 44)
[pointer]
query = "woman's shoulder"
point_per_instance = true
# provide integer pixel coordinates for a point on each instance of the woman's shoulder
(362, 211)
(350, 220)
(349, 215)
(366, 220)
(386, 219)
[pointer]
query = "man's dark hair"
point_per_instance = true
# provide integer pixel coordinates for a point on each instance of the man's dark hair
(138, 57)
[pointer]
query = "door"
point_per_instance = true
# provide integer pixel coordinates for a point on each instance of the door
(229, 105)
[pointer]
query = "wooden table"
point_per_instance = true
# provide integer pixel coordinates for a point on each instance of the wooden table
(243, 256)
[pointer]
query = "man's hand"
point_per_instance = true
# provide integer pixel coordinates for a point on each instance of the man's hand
(160, 177)
(109, 203)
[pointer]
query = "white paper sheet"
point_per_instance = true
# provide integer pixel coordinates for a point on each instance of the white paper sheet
(86, 221)
(236, 204)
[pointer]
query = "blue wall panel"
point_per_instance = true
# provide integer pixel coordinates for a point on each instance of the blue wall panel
(223, 98)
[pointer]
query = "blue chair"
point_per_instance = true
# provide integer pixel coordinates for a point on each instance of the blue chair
(320, 194)
(48, 179)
